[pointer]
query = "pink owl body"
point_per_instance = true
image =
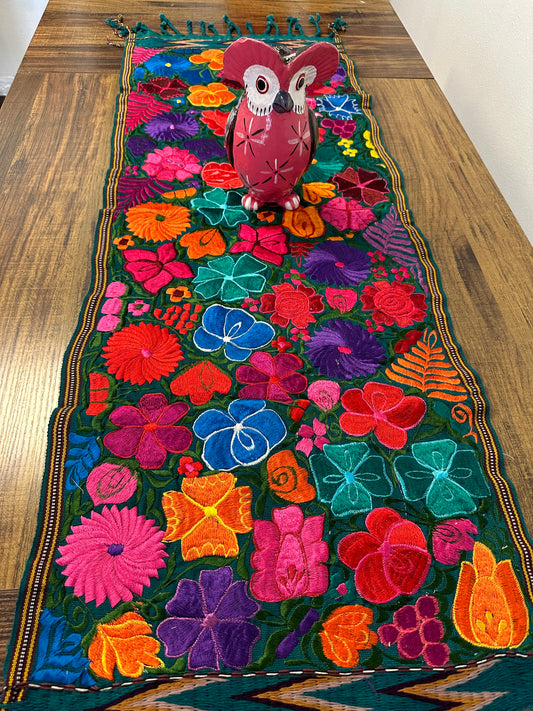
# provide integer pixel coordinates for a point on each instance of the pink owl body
(271, 136)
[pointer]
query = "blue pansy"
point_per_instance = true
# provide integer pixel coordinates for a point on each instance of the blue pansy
(347, 476)
(81, 459)
(339, 107)
(166, 65)
(242, 436)
(59, 658)
(447, 476)
(234, 329)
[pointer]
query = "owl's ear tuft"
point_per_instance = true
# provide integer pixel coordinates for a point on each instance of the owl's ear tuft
(323, 56)
(244, 52)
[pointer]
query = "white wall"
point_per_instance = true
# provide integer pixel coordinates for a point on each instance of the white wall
(18, 22)
(481, 54)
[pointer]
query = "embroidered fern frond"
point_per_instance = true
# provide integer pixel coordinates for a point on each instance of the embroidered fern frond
(425, 367)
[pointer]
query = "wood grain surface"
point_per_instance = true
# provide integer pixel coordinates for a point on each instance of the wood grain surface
(55, 128)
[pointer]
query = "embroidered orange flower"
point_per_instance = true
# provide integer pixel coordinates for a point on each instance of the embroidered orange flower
(214, 94)
(124, 643)
(489, 608)
(345, 632)
(158, 221)
(203, 242)
(314, 192)
(213, 56)
(304, 222)
(288, 479)
(141, 353)
(207, 514)
(123, 242)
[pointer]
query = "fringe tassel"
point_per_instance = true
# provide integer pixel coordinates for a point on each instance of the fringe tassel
(272, 31)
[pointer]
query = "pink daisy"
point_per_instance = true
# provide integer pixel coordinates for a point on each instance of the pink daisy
(112, 555)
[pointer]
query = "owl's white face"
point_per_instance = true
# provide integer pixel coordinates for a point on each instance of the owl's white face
(264, 93)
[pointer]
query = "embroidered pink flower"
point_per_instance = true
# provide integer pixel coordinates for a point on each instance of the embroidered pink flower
(344, 214)
(267, 243)
(149, 431)
(383, 409)
(290, 556)
(341, 299)
(389, 560)
(111, 484)
(451, 538)
(154, 270)
(292, 305)
(271, 377)
(312, 437)
(324, 393)
(112, 555)
(171, 163)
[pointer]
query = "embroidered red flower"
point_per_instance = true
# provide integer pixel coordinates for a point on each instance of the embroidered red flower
(383, 409)
(220, 175)
(154, 270)
(189, 468)
(141, 353)
(394, 303)
(215, 120)
(200, 383)
(271, 377)
(292, 305)
(389, 560)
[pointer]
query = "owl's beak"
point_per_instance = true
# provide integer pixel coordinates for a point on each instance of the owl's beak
(283, 102)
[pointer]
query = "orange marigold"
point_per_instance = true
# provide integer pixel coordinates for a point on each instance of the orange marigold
(345, 632)
(214, 94)
(207, 514)
(141, 353)
(158, 221)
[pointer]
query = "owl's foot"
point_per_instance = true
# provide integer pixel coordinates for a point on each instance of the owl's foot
(291, 202)
(249, 202)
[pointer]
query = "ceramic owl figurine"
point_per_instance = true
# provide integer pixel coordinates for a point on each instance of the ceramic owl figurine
(271, 136)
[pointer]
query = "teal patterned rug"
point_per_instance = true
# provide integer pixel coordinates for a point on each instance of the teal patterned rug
(271, 478)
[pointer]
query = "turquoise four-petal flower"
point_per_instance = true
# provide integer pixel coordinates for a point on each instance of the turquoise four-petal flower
(230, 279)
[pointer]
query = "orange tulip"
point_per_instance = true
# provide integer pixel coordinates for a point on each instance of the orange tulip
(489, 608)
(304, 222)
(345, 632)
(287, 479)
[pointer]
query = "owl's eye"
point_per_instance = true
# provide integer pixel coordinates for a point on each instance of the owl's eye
(300, 82)
(261, 85)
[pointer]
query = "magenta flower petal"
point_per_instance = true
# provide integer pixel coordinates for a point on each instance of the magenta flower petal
(150, 454)
(125, 442)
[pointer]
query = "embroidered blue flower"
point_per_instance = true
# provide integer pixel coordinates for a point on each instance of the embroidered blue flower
(234, 329)
(166, 65)
(232, 280)
(340, 107)
(448, 477)
(242, 436)
(347, 476)
(60, 658)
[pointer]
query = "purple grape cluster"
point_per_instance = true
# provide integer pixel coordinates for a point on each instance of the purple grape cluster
(416, 631)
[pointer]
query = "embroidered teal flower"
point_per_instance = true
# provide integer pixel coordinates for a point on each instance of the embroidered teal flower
(347, 476)
(231, 280)
(221, 207)
(448, 477)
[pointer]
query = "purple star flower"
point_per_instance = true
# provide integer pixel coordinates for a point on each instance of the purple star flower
(344, 350)
(209, 619)
(169, 126)
(337, 263)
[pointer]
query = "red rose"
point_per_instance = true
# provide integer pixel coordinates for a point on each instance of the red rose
(390, 560)
(394, 303)
(292, 305)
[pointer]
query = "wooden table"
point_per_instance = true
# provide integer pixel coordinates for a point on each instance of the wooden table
(55, 127)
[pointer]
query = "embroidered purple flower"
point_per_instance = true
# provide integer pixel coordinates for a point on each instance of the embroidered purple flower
(272, 377)
(209, 619)
(205, 148)
(170, 126)
(451, 538)
(139, 145)
(344, 350)
(337, 263)
(149, 431)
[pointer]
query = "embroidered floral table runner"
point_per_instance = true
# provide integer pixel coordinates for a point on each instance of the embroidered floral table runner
(270, 457)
